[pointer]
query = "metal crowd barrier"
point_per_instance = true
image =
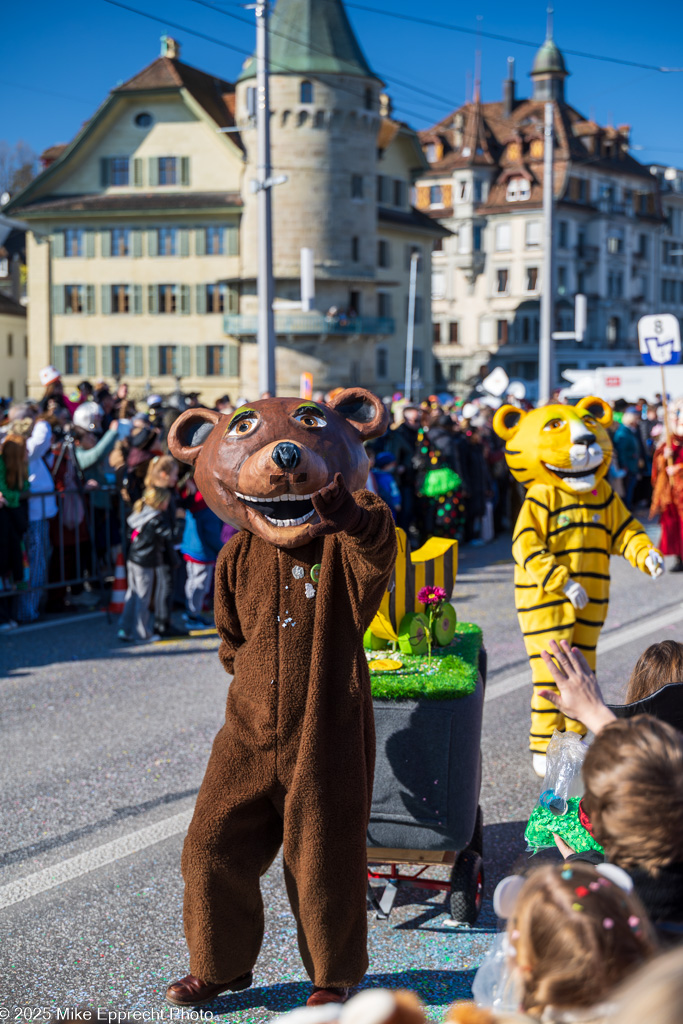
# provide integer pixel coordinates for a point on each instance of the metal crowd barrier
(81, 541)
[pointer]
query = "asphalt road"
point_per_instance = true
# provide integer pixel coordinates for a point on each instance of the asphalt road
(104, 747)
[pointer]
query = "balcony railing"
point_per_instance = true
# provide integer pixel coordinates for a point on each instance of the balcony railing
(238, 325)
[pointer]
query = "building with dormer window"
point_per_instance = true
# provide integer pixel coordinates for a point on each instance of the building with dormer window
(142, 251)
(486, 167)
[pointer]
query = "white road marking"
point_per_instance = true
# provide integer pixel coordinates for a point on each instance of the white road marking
(610, 641)
(66, 621)
(74, 867)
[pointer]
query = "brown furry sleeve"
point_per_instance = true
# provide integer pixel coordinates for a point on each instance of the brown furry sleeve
(369, 556)
(225, 611)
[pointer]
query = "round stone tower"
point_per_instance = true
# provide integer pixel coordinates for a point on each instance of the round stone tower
(325, 118)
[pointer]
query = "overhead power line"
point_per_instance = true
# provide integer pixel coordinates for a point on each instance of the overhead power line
(505, 39)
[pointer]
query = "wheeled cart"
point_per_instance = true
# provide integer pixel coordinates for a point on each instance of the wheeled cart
(425, 807)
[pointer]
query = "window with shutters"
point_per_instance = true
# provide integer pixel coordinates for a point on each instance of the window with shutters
(436, 195)
(383, 187)
(533, 234)
(454, 372)
(613, 330)
(381, 363)
(355, 249)
(476, 238)
(121, 298)
(531, 279)
(383, 304)
(74, 298)
(383, 253)
(399, 192)
(167, 241)
(73, 359)
(168, 298)
(306, 92)
(168, 170)
(120, 242)
(453, 332)
(356, 186)
(216, 296)
(119, 173)
(215, 241)
(167, 360)
(502, 332)
(73, 242)
(436, 333)
(120, 360)
(214, 360)
(502, 237)
(502, 276)
(563, 234)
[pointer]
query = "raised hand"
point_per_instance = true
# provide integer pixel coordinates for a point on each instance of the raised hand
(337, 509)
(579, 697)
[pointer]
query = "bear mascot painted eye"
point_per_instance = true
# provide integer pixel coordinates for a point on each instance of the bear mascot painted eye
(569, 525)
(292, 766)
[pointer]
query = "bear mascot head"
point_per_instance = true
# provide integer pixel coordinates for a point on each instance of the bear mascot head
(562, 446)
(259, 468)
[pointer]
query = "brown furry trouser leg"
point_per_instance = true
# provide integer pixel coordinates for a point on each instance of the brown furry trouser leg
(242, 814)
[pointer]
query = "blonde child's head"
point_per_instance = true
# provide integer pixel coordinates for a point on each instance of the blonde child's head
(576, 936)
(633, 779)
(162, 472)
(154, 497)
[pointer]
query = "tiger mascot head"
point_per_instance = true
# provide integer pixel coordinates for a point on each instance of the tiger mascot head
(560, 445)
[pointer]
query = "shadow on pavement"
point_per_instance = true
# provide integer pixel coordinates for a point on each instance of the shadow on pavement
(433, 987)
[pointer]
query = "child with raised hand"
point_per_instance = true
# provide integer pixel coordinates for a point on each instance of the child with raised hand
(633, 800)
(150, 535)
(573, 936)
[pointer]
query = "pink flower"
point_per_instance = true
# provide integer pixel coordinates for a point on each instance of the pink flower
(432, 595)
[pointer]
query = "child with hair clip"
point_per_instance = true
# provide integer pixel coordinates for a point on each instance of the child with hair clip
(150, 535)
(574, 933)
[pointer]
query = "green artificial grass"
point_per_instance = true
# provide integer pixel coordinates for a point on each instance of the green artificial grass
(453, 672)
(543, 823)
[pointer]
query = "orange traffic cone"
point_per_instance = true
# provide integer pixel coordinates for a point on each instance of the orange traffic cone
(118, 592)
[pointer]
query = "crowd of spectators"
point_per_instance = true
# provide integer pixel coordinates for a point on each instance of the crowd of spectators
(75, 467)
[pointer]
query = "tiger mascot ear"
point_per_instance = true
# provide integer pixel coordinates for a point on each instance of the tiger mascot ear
(507, 421)
(596, 407)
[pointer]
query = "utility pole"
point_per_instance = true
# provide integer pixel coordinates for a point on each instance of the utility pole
(410, 338)
(545, 353)
(263, 184)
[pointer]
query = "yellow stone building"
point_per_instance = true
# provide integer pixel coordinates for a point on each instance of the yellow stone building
(141, 252)
(13, 348)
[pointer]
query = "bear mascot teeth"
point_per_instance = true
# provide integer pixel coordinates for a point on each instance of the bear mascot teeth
(292, 767)
(569, 525)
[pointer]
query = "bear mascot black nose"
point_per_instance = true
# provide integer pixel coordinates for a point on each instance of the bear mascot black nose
(286, 455)
(585, 439)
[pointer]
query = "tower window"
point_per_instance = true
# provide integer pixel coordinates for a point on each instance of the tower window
(368, 98)
(306, 92)
(355, 249)
(356, 186)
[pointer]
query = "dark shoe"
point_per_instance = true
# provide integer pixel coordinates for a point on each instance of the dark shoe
(678, 567)
(191, 991)
(321, 996)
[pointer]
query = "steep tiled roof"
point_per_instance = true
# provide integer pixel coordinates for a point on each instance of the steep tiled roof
(133, 202)
(215, 95)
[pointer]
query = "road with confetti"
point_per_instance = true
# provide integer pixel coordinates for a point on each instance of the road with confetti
(103, 751)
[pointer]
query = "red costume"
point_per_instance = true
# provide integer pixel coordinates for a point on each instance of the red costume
(667, 498)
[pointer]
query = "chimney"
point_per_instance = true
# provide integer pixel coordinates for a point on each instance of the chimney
(170, 47)
(509, 89)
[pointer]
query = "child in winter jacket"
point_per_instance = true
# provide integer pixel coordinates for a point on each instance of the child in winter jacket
(150, 534)
(200, 547)
(163, 472)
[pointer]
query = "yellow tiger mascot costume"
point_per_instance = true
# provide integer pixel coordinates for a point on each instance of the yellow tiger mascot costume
(569, 525)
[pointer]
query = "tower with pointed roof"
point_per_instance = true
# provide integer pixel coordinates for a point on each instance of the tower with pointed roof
(549, 70)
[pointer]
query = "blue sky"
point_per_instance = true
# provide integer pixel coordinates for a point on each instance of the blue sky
(60, 60)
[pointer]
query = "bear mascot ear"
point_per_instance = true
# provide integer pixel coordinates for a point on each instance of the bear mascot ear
(364, 411)
(507, 421)
(596, 407)
(189, 432)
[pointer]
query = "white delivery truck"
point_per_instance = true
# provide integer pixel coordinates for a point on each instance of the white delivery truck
(627, 382)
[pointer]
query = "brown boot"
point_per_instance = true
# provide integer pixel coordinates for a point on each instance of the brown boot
(320, 996)
(191, 991)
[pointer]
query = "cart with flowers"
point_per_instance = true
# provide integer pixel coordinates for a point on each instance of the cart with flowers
(427, 674)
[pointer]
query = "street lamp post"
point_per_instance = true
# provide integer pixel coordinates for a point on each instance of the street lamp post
(410, 337)
(545, 354)
(266, 320)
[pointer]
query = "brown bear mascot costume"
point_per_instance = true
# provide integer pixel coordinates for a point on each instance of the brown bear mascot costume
(293, 765)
